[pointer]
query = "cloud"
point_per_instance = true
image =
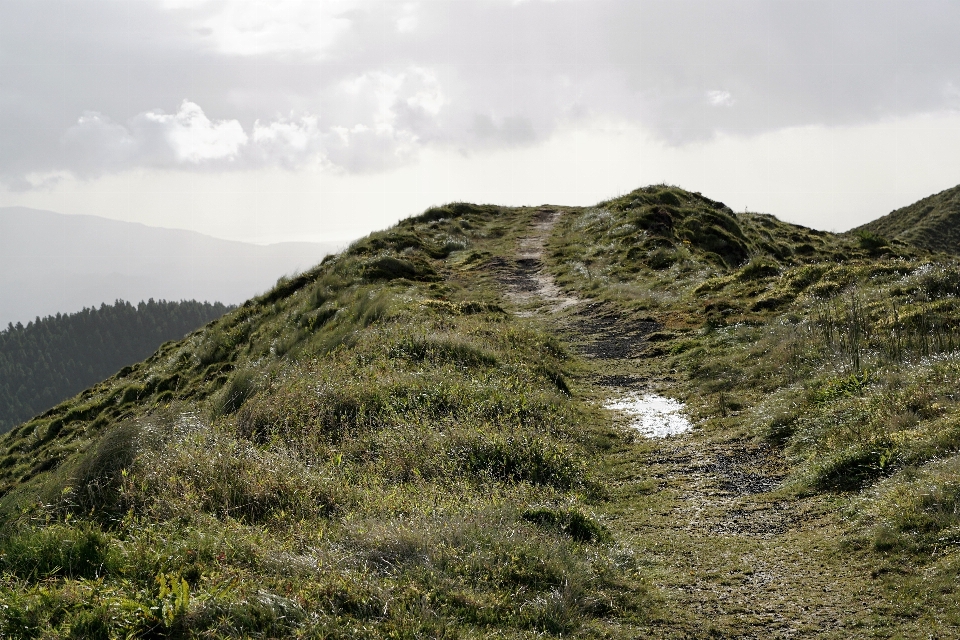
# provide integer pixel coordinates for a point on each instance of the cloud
(96, 143)
(289, 143)
(363, 85)
(255, 28)
(376, 120)
(194, 138)
(720, 98)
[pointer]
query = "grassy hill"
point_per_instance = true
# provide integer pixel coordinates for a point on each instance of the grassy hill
(932, 223)
(56, 357)
(409, 440)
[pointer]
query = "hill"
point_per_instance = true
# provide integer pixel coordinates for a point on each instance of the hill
(932, 223)
(53, 263)
(414, 439)
(53, 358)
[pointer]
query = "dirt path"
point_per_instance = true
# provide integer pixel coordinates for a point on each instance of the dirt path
(731, 555)
(528, 282)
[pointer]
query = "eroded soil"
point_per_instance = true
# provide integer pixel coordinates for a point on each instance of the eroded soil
(526, 281)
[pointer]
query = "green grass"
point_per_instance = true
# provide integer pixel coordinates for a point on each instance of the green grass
(843, 352)
(373, 448)
(380, 447)
(930, 223)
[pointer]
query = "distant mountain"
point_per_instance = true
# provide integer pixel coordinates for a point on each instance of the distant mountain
(53, 263)
(50, 360)
(932, 223)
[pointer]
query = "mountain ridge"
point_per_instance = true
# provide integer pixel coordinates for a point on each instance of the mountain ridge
(55, 263)
(413, 439)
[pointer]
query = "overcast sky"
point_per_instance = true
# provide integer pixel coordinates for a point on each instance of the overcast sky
(324, 120)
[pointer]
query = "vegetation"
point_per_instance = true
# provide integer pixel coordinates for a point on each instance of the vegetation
(373, 448)
(843, 357)
(932, 223)
(56, 357)
(399, 444)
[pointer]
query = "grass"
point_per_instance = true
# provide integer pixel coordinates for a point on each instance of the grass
(379, 447)
(373, 448)
(841, 352)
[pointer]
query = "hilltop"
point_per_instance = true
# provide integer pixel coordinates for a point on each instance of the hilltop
(410, 440)
(932, 223)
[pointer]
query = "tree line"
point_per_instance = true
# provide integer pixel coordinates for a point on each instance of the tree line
(53, 358)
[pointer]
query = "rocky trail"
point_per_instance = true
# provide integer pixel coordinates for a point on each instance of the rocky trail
(731, 554)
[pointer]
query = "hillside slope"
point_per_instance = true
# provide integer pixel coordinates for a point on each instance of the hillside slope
(56, 357)
(53, 263)
(375, 447)
(932, 223)
(409, 440)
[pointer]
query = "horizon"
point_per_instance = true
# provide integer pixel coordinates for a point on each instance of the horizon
(345, 241)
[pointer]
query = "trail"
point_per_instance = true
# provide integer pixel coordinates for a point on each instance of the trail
(527, 280)
(730, 556)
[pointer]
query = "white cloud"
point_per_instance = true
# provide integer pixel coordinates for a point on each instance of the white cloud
(408, 19)
(153, 138)
(372, 85)
(720, 98)
(376, 120)
(295, 134)
(193, 137)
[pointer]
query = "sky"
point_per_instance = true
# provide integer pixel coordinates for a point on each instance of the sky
(323, 120)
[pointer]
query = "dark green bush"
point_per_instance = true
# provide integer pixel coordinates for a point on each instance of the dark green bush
(390, 268)
(852, 468)
(96, 481)
(443, 350)
(241, 385)
(661, 259)
(759, 268)
(93, 624)
(871, 241)
(569, 522)
(527, 459)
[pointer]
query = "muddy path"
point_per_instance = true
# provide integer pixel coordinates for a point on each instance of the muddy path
(730, 553)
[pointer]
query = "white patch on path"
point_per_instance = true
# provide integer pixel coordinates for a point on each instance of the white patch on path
(652, 415)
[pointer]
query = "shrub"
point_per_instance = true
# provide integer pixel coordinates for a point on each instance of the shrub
(96, 483)
(529, 459)
(853, 467)
(440, 350)
(570, 522)
(390, 268)
(758, 268)
(871, 241)
(916, 512)
(204, 471)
